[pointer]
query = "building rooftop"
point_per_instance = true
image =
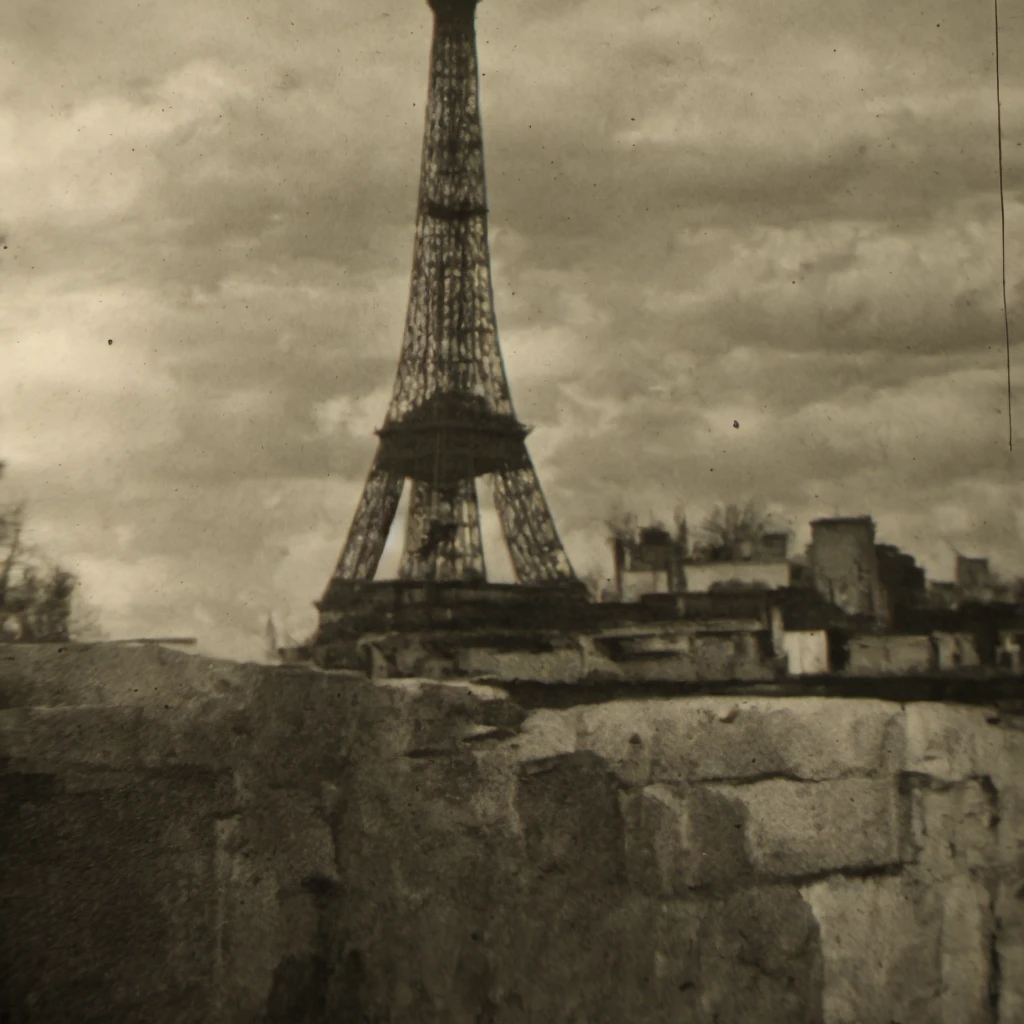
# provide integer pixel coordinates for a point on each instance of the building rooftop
(843, 521)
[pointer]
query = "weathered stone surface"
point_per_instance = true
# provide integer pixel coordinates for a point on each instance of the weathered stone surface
(966, 951)
(876, 966)
(577, 658)
(953, 827)
(542, 734)
(41, 739)
(801, 828)
(706, 738)
(83, 674)
(420, 717)
(949, 742)
(1008, 994)
(271, 862)
(287, 845)
(761, 959)
(106, 899)
(898, 950)
(678, 840)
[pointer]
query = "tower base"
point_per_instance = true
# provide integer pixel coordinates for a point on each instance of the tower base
(459, 609)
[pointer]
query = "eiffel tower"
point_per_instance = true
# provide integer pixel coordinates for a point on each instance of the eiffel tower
(451, 421)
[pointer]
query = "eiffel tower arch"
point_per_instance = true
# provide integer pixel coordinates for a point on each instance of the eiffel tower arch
(451, 421)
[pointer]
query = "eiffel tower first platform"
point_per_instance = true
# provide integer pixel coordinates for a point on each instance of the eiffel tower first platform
(451, 421)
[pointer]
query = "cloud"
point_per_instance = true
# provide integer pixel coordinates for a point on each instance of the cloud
(781, 215)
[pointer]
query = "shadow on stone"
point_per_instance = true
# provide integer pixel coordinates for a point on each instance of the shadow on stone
(761, 959)
(298, 992)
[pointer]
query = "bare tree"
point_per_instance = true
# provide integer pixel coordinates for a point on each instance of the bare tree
(621, 524)
(85, 624)
(12, 521)
(35, 593)
(728, 529)
(682, 529)
(37, 605)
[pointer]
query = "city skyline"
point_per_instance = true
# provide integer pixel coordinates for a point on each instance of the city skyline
(736, 252)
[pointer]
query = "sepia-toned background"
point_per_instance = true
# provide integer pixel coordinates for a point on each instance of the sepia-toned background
(783, 216)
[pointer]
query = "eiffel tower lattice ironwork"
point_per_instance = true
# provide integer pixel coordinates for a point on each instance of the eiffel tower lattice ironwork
(451, 419)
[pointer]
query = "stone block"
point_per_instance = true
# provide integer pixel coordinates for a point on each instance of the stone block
(761, 959)
(880, 948)
(122, 738)
(795, 829)
(681, 839)
(52, 739)
(1009, 948)
(273, 863)
(567, 665)
(655, 839)
(1010, 831)
(596, 664)
(543, 734)
(306, 726)
(966, 951)
(620, 733)
(68, 675)
(708, 738)
(298, 726)
(684, 838)
(1011, 995)
(950, 742)
(106, 900)
(571, 818)
(960, 757)
(895, 949)
(954, 828)
(396, 717)
(248, 921)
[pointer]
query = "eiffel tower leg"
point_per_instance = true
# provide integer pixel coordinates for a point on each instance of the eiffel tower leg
(533, 543)
(443, 540)
(370, 526)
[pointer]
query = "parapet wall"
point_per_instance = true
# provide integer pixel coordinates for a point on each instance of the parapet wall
(187, 840)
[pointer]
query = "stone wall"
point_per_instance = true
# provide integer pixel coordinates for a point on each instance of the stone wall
(187, 840)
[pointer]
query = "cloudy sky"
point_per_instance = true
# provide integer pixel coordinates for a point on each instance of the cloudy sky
(783, 215)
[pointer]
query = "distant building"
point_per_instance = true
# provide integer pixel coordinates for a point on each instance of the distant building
(900, 655)
(701, 577)
(656, 562)
(844, 565)
(800, 573)
(973, 575)
(902, 580)
(749, 565)
(806, 652)
(975, 582)
(774, 546)
(650, 564)
(942, 594)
